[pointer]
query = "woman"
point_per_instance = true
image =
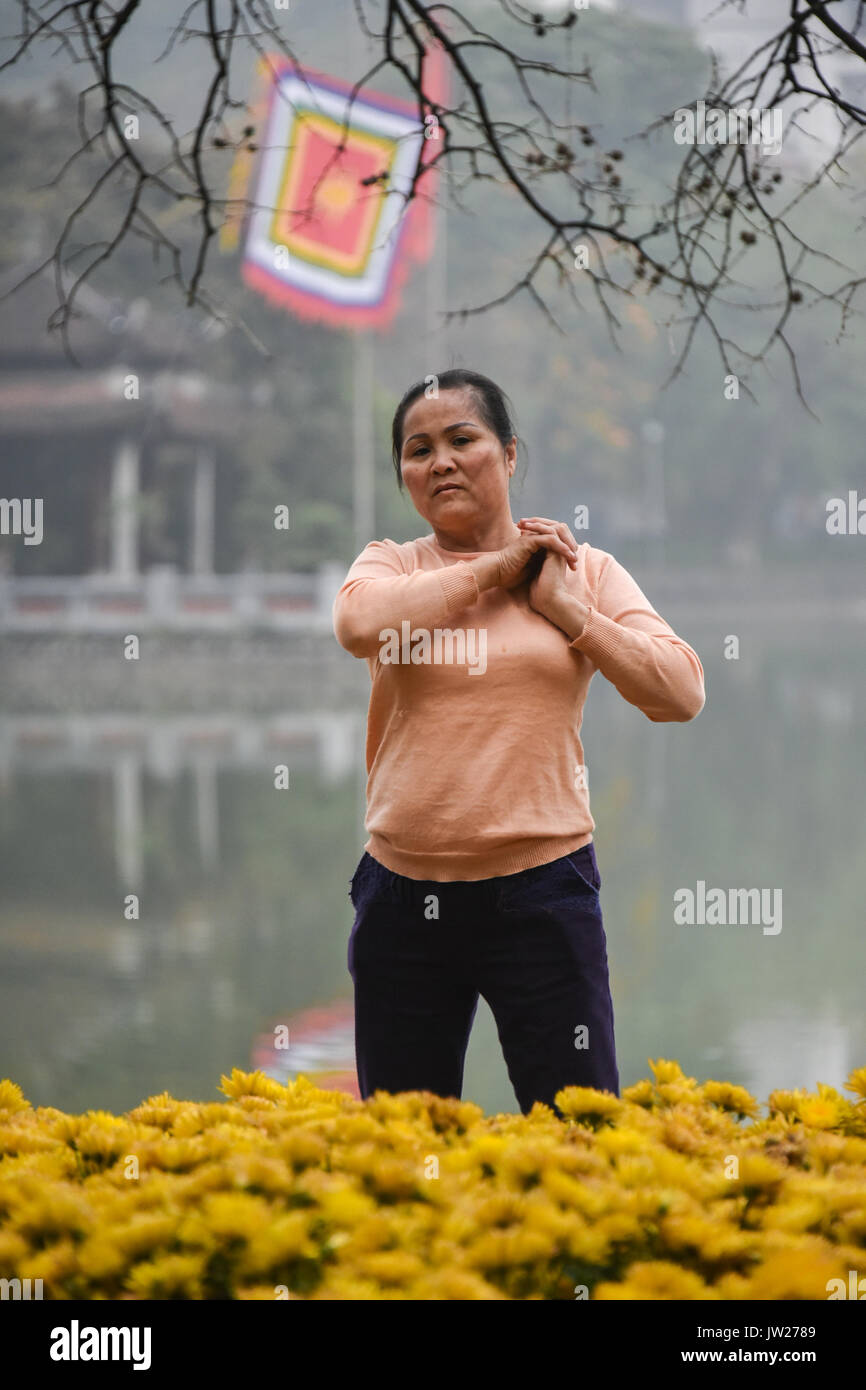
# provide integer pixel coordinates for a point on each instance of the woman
(479, 875)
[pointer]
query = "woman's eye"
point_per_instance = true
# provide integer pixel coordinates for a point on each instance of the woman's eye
(458, 439)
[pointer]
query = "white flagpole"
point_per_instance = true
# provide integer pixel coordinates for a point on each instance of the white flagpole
(437, 286)
(364, 460)
(364, 455)
(363, 442)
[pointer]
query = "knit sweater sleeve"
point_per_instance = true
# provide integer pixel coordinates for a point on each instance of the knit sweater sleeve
(377, 593)
(638, 652)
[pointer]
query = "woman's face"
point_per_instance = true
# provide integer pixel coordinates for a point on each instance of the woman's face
(446, 445)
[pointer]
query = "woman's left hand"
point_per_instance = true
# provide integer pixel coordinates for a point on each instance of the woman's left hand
(549, 593)
(549, 584)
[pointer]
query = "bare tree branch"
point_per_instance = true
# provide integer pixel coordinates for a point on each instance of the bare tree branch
(691, 250)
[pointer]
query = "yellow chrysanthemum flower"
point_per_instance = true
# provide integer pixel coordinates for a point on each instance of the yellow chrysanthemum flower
(680, 1132)
(159, 1111)
(459, 1225)
(710, 1237)
(357, 1129)
(588, 1244)
(224, 1220)
(447, 1114)
(666, 1071)
(733, 1098)
(456, 1284)
(524, 1164)
(374, 1233)
(188, 1122)
(53, 1212)
(343, 1287)
(758, 1175)
(681, 1092)
(854, 1151)
(384, 1106)
(634, 1172)
(857, 1082)
(391, 1266)
(677, 1174)
(55, 1266)
(206, 1177)
(104, 1138)
(820, 1112)
(304, 1148)
(587, 1105)
(785, 1103)
(144, 1233)
(360, 1158)
(242, 1083)
(261, 1172)
(852, 1226)
(13, 1247)
(641, 1093)
(567, 1191)
(620, 1227)
(16, 1139)
(724, 1246)
(658, 1280)
(798, 1273)
(489, 1150)
(551, 1221)
(395, 1179)
(338, 1198)
(170, 1154)
(101, 1258)
(170, 1276)
(624, 1140)
(285, 1239)
(826, 1148)
(796, 1215)
(12, 1098)
(262, 1293)
(499, 1249)
(498, 1209)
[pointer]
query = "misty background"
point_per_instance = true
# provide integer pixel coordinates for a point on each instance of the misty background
(156, 777)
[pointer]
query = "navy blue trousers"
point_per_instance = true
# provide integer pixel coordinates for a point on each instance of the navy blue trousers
(531, 943)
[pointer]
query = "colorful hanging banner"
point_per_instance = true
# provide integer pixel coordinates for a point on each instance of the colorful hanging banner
(331, 234)
(236, 212)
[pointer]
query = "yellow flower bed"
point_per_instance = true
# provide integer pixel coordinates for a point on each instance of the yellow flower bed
(674, 1191)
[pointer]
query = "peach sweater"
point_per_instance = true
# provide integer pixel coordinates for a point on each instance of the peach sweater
(474, 755)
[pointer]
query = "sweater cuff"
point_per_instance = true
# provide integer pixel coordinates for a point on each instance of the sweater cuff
(459, 586)
(600, 637)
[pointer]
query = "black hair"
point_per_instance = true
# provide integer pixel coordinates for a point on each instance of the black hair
(494, 407)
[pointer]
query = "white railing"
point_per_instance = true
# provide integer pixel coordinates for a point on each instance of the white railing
(164, 598)
(166, 745)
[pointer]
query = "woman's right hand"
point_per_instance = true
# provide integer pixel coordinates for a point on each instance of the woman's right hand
(515, 559)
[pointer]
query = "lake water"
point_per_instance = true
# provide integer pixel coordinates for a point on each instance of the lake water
(244, 915)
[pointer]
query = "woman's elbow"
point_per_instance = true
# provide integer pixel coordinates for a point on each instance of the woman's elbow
(690, 705)
(350, 640)
(689, 693)
(352, 636)
(679, 708)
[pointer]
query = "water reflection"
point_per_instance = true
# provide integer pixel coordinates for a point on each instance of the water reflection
(130, 747)
(242, 889)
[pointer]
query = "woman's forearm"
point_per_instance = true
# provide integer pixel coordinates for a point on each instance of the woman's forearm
(374, 598)
(569, 613)
(486, 570)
